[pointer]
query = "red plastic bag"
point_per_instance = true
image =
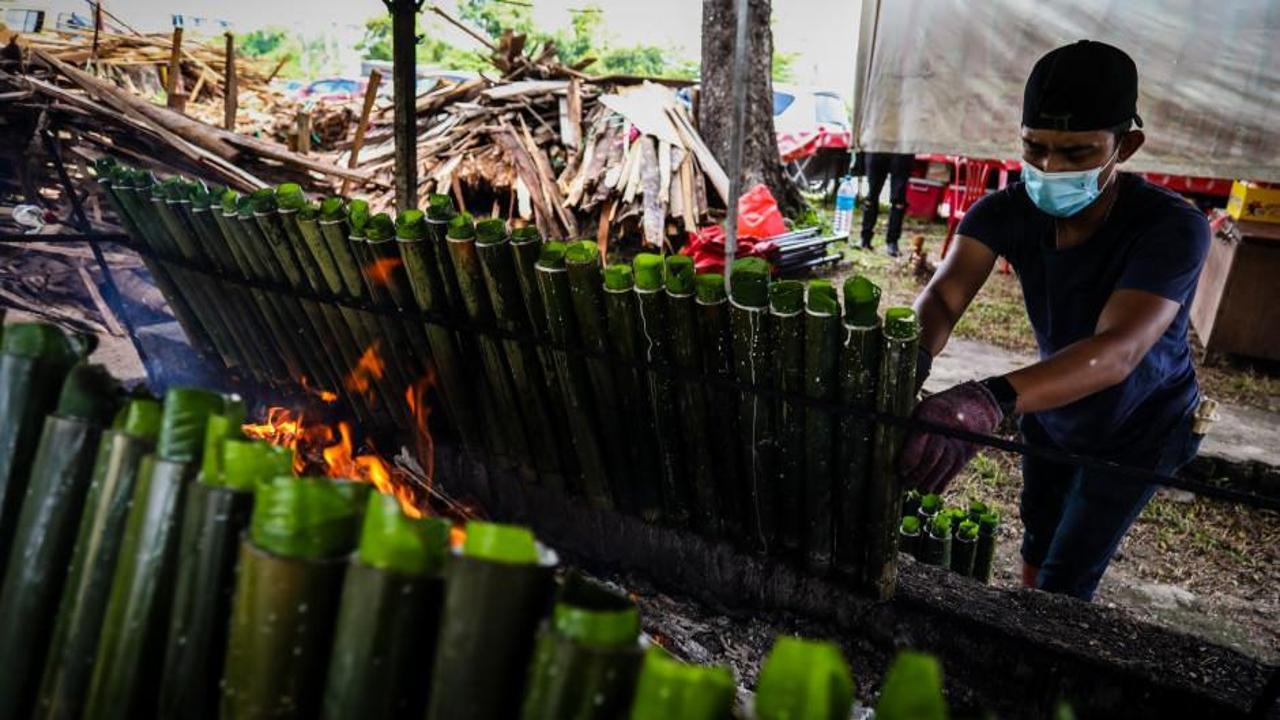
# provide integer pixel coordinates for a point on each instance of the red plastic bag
(706, 247)
(758, 214)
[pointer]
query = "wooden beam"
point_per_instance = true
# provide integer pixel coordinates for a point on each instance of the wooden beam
(173, 83)
(404, 83)
(230, 99)
(304, 132)
(362, 127)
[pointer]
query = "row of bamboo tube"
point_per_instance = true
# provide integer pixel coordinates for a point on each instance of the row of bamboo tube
(639, 387)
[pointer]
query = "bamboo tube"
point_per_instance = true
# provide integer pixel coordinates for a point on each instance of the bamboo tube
(586, 287)
(859, 368)
(651, 309)
(964, 547)
(34, 360)
(45, 535)
(74, 643)
(496, 591)
(716, 345)
(909, 535)
(333, 229)
(557, 303)
(389, 616)
(385, 268)
(985, 553)
(475, 304)
(694, 418)
(424, 282)
(492, 249)
(668, 688)
(753, 364)
(289, 201)
(804, 679)
(896, 394)
(288, 588)
(526, 243)
(821, 357)
(126, 672)
(586, 658)
(935, 544)
(930, 506)
(786, 312)
(643, 496)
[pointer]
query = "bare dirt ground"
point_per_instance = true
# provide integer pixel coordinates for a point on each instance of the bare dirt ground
(1204, 567)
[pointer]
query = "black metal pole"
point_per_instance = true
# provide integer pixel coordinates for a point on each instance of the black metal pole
(404, 84)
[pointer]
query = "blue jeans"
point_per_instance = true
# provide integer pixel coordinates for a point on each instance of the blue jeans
(1074, 518)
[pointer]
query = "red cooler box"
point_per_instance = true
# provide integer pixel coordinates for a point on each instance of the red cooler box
(923, 197)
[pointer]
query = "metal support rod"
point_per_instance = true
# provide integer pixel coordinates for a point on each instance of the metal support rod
(111, 294)
(736, 134)
(404, 83)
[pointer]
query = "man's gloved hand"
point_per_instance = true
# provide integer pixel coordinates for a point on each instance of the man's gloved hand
(929, 461)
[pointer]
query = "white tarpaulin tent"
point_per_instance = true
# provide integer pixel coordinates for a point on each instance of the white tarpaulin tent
(947, 76)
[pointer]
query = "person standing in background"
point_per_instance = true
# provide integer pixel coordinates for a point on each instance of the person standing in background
(896, 167)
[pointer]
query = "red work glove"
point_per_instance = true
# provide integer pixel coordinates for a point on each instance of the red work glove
(928, 460)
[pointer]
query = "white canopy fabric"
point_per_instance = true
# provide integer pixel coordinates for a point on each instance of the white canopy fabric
(946, 76)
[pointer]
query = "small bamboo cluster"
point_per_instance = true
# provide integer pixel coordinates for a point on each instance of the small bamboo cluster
(961, 539)
(639, 387)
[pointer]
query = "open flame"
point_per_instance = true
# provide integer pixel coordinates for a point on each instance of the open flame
(369, 367)
(326, 396)
(379, 271)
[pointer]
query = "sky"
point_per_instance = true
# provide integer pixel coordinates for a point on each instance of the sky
(820, 32)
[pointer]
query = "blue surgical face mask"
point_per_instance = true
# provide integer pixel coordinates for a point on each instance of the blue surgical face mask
(1063, 194)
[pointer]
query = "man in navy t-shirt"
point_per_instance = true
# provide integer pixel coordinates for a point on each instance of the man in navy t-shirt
(1108, 265)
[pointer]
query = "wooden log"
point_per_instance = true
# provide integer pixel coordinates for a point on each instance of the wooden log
(362, 126)
(230, 84)
(173, 80)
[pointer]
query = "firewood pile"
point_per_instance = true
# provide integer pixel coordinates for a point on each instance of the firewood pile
(568, 155)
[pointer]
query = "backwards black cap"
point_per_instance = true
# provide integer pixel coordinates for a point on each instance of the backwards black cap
(1087, 85)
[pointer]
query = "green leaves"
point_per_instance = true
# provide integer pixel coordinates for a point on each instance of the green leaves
(912, 689)
(393, 541)
(804, 680)
(500, 543)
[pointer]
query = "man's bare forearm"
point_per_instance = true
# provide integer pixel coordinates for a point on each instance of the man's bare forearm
(936, 321)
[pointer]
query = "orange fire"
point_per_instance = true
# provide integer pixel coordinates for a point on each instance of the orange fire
(318, 449)
(369, 368)
(379, 271)
(327, 396)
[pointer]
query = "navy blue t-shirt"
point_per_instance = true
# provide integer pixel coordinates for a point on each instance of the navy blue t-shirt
(1155, 241)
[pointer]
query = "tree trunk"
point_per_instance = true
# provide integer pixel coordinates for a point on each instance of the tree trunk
(760, 159)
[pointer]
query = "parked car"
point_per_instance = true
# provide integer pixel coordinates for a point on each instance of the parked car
(340, 90)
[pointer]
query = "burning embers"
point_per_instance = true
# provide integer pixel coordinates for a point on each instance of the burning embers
(327, 448)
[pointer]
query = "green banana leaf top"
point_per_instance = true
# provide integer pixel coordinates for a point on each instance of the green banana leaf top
(491, 231)
(750, 280)
(439, 207)
(989, 522)
(221, 427)
(618, 277)
(900, 323)
(89, 393)
(139, 417)
(911, 525)
(679, 275)
(38, 341)
(786, 296)
(496, 542)
(912, 689)
(104, 166)
(977, 509)
(289, 196)
(940, 526)
(358, 217)
(582, 252)
(709, 288)
(307, 517)
(822, 298)
(393, 541)
(381, 227)
(967, 530)
(333, 208)
(264, 200)
(230, 202)
(246, 463)
(804, 680)
(310, 211)
(411, 225)
(648, 269)
(526, 234)
(121, 176)
(591, 614)
(551, 255)
(175, 189)
(244, 207)
(202, 196)
(931, 503)
(182, 424)
(462, 226)
(668, 688)
(861, 301)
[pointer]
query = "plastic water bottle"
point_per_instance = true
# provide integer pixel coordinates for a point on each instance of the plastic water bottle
(846, 201)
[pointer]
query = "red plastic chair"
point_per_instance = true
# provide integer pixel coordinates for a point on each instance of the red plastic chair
(971, 178)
